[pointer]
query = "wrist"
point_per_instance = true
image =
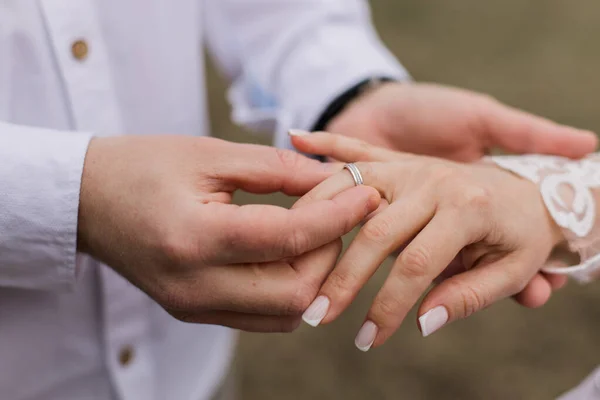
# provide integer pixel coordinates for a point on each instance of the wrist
(557, 234)
(86, 214)
(529, 191)
(345, 100)
(366, 117)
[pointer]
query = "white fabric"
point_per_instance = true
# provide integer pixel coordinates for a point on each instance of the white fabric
(61, 333)
(588, 389)
(569, 189)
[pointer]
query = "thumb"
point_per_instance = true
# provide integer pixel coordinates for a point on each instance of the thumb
(520, 132)
(536, 293)
(465, 294)
(261, 233)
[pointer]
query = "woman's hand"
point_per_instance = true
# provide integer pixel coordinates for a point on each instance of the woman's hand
(493, 220)
(338, 147)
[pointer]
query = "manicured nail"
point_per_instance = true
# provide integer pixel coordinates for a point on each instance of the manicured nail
(298, 132)
(433, 320)
(315, 313)
(366, 336)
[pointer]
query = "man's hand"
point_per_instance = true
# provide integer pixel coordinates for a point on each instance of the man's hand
(157, 210)
(455, 124)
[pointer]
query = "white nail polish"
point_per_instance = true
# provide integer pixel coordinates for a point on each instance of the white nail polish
(298, 132)
(433, 320)
(366, 336)
(315, 313)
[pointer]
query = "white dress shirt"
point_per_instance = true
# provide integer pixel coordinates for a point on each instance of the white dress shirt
(71, 328)
(588, 389)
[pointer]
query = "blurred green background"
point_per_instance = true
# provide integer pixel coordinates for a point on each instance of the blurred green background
(542, 56)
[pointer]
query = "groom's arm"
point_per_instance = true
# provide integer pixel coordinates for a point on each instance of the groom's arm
(290, 61)
(308, 64)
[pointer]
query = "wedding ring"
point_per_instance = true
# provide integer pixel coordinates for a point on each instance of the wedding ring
(355, 172)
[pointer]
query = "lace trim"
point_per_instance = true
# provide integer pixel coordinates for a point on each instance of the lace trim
(566, 187)
(585, 272)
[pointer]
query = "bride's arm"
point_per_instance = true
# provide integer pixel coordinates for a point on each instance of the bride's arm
(570, 190)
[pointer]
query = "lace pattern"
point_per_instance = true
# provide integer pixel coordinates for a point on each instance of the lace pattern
(569, 189)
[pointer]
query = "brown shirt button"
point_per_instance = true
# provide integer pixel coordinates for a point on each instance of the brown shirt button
(126, 356)
(80, 50)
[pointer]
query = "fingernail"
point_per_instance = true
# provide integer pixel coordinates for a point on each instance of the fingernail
(315, 313)
(433, 320)
(366, 336)
(298, 132)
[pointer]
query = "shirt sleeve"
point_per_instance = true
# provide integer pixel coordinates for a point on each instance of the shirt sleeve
(40, 179)
(288, 60)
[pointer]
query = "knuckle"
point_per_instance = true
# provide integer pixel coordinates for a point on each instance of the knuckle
(415, 262)
(288, 159)
(244, 239)
(386, 308)
(441, 172)
(179, 249)
(301, 298)
(176, 299)
(377, 230)
(476, 197)
(177, 295)
(471, 300)
(233, 237)
(340, 285)
(297, 243)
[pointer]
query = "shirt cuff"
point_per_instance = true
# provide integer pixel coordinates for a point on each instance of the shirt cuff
(323, 82)
(332, 59)
(40, 177)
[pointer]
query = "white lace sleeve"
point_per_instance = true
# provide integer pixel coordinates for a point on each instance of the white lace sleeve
(570, 190)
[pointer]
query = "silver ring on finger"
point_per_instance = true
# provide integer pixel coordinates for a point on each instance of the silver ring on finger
(355, 172)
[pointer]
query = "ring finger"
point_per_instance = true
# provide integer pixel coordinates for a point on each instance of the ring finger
(378, 238)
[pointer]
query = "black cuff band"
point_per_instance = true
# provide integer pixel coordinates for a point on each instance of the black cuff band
(340, 102)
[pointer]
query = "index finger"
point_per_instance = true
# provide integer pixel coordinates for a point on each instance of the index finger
(263, 169)
(259, 233)
(342, 148)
